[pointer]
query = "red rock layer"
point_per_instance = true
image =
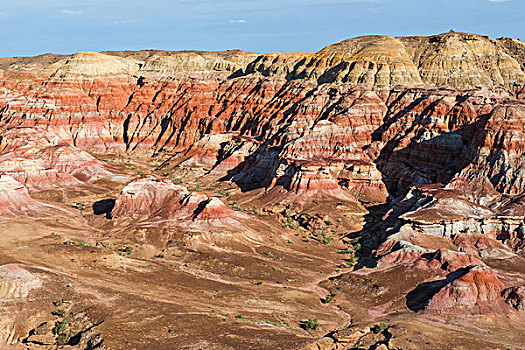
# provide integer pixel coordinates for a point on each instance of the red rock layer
(150, 198)
(175, 103)
(43, 162)
(476, 291)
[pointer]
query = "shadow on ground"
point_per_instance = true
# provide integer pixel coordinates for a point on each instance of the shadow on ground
(104, 206)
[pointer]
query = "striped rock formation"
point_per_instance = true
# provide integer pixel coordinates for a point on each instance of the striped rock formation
(432, 127)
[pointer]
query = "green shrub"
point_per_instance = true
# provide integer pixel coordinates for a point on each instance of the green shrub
(378, 328)
(234, 206)
(59, 312)
(61, 326)
(312, 324)
(329, 298)
(80, 206)
(126, 249)
(326, 240)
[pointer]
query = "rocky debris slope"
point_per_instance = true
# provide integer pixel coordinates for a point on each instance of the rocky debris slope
(16, 284)
(439, 230)
(25, 292)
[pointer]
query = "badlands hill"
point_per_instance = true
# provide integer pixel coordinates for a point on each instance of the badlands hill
(366, 196)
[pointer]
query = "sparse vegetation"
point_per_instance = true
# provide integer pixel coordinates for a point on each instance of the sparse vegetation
(233, 206)
(354, 246)
(80, 206)
(349, 262)
(379, 328)
(176, 181)
(273, 323)
(69, 242)
(127, 250)
(329, 298)
(58, 312)
(61, 330)
(326, 240)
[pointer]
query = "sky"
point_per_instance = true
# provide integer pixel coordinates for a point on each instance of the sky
(31, 27)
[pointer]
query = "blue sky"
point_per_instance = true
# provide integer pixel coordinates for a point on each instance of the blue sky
(30, 27)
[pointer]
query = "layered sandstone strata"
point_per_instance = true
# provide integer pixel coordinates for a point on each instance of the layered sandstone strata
(473, 289)
(149, 198)
(15, 201)
(433, 126)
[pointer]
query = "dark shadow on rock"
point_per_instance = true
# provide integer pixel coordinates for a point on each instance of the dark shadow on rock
(104, 206)
(404, 168)
(419, 298)
(259, 169)
(75, 340)
(200, 208)
(373, 233)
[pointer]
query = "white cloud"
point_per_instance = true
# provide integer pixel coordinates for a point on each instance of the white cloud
(498, 0)
(71, 12)
(125, 21)
(237, 21)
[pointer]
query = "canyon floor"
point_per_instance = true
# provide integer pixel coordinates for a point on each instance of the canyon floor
(368, 196)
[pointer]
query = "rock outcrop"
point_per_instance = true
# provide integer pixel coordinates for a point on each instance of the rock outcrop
(42, 161)
(15, 200)
(148, 198)
(515, 297)
(453, 60)
(473, 289)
